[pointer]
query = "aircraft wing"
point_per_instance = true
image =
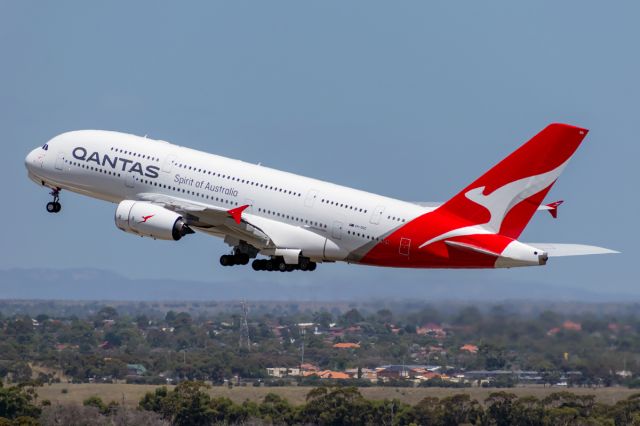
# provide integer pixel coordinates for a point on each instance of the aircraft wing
(238, 224)
(558, 250)
(212, 219)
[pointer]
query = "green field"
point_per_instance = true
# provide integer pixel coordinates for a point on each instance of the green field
(131, 394)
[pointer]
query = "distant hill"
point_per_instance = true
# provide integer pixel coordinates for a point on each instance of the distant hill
(95, 284)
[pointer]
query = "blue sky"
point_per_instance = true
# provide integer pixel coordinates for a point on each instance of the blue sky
(409, 99)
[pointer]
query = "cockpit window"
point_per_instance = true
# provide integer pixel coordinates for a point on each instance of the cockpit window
(45, 147)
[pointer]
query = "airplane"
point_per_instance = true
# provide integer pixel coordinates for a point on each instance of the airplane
(164, 191)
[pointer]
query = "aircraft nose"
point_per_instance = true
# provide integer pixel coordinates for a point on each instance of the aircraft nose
(30, 160)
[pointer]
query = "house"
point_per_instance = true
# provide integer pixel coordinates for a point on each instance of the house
(346, 346)
(280, 372)
(472, 349)
(308, 367)
(624, 374)
(572, 326)
(405, 371)
(277, 371)
(617, 327)
(392, 372)
(427, 375)
(431, 329)
(336, 332)
(329, 374)
(436, 350)
(354, 329)
(365, 373)
(394, 329)
(553, 331)
(278, 329)
(567, 325)
(488, 376)
(136, 370)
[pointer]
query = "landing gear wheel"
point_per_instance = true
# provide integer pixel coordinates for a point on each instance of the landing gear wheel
(282, 267)
(304, 264)
(258, 265)
(312, 266)
(226, 260)
(54, 206)
(241, 259)
(269, 265)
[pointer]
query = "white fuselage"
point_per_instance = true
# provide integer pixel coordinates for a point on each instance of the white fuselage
(115, 166)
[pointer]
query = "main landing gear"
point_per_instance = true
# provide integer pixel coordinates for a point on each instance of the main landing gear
(54, 206)
(278, 264)
(244, 252)
(234, 259)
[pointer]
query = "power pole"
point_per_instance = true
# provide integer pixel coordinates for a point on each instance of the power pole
(303, 332)
(244, 327)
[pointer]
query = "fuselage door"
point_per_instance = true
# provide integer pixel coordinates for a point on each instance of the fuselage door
(60, 161)
(168, 163)
(311, 198)
(376, 215)
(405, 246)
(337, 230)
(128, 180)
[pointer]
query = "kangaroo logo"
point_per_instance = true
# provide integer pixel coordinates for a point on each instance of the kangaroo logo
(500, 202)
(146, 218)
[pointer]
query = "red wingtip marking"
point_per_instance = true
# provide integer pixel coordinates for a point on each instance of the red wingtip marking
(554, 208)
(236, 213)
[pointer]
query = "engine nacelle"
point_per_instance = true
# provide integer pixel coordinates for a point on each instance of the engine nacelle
(150, 220)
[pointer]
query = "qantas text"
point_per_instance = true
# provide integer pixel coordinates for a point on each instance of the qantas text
(116, 163)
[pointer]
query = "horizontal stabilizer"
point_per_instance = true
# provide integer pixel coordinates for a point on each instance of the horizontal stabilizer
(552, 208)
(557, 250)
(470, 247)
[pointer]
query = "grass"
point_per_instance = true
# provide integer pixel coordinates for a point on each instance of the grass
(131, 394)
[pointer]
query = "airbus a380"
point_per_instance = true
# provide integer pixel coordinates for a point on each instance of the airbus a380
(165, 191)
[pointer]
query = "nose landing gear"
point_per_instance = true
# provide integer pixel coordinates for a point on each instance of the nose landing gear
(54, 206)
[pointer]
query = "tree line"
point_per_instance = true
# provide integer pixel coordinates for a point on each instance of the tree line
(189, 404)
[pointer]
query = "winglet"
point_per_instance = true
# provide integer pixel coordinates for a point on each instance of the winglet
(236, 213)
(553, 208)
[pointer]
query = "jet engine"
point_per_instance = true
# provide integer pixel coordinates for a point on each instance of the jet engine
(150, 220)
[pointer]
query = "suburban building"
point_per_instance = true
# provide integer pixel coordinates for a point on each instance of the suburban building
(346, 346)
(280, 372)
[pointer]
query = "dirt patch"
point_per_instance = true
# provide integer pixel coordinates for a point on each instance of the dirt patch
(131, 394)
